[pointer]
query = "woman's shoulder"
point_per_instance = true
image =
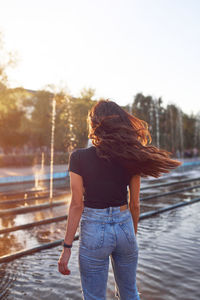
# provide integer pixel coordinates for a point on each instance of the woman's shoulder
(82, 151)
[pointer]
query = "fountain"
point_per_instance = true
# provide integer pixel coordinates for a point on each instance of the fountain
(156, 107)
(70, 122)
(151, 117)
(197, 131)
(52, 148)
(171, 128)
(38, 175)
(180, 128)
(130, 108)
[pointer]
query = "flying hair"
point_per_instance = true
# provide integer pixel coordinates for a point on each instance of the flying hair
(124, 138)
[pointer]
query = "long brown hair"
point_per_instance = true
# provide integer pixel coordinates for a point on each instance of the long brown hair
(124, 138)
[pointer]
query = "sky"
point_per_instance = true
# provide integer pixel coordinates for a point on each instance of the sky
(117, 47)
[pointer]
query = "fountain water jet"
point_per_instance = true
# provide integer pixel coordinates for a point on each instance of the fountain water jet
(52, 148)
(171, 129)
(157, 123)
(151, 117)
(38, 175)
(197, 131)
(180, 126)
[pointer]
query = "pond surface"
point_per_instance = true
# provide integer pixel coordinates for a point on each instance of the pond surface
(169, 255)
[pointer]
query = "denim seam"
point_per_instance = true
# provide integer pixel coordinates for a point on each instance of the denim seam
(129, 238)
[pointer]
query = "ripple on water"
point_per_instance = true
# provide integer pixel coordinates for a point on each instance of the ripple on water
(168, 266)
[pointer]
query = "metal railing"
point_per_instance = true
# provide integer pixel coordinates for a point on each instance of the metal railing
(10, 257)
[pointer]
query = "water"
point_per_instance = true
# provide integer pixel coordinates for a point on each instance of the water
(52, 148)
(169, 252)
(197, 131)
(157, 123)
(169, 255)
(151, 116)
(180, 126)
(168, 266)
(38, 174)
(171, 128)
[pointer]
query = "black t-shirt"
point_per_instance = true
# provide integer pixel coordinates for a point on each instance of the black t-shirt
(105, 183)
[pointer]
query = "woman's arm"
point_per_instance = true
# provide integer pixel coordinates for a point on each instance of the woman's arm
(74, 215)
(134, 199)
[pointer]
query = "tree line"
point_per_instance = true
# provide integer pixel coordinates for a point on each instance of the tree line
(26, 119)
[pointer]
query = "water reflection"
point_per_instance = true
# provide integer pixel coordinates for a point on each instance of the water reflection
(168, 266)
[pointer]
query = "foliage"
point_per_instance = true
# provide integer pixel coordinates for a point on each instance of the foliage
(26, 118)
(79, 110)
(12, 116)
(170, 128)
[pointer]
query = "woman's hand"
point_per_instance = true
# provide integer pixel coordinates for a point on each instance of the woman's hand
(63, 261)
(74, 215)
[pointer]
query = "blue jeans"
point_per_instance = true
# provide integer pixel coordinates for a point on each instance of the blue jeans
(103, 233)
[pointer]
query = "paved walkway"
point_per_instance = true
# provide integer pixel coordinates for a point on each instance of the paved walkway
(14, 171)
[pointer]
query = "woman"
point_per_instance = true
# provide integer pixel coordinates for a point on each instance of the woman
(100, 174)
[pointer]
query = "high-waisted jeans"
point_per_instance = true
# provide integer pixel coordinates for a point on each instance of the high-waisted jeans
(103, 233)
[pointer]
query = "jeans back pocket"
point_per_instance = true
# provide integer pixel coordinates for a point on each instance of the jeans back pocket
(91, 234)
(128, 230)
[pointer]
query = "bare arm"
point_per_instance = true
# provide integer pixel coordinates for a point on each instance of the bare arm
(76, 207)
(134, 199)
(74, 215)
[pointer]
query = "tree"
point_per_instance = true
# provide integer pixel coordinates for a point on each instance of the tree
(8, 59)
(79, 112)
(40, 131)
(11, 119)
(11, 113)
